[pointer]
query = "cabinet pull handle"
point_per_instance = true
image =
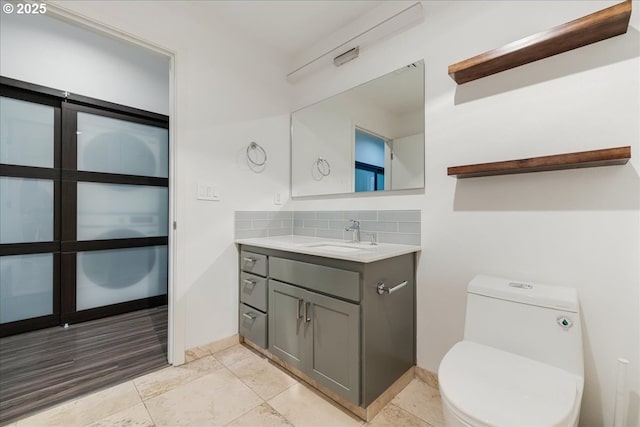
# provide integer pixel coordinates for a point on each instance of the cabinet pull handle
(298, 314)
(306, 312)
(249, 260)
(249, 316)
(382, 288)
(249, 282)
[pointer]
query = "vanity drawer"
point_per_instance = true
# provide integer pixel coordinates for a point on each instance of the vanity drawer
(332, 281)
(253, 263)
(253, 290)
(253, 325)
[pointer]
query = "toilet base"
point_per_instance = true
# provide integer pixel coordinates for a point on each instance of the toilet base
(451, 418)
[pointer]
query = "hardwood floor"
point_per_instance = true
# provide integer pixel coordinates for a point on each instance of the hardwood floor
(42, 368)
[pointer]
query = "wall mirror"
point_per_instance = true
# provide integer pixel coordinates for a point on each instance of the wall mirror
(368, 138)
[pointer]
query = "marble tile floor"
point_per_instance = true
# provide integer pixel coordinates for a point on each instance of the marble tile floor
(233, 387)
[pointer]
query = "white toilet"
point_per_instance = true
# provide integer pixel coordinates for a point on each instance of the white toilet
(520, 363)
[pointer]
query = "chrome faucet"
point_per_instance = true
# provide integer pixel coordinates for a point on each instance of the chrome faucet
(355, 229)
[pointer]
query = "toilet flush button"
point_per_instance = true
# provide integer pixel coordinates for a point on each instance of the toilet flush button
(564, 322)
(520, 285)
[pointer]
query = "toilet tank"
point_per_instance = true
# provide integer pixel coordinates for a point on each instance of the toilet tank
(537, 321)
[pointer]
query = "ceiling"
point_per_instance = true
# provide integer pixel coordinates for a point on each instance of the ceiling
(288, 26)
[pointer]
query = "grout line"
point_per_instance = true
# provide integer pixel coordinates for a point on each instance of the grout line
(149, 413)
(193, 375)
(270, 363)
(252, 391)
(137, 389)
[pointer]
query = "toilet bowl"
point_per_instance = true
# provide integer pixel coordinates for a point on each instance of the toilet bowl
(520, 363)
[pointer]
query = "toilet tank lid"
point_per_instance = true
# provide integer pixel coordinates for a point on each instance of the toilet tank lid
(556, 297)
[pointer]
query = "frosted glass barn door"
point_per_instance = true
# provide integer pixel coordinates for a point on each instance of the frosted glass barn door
(29, 206)
(114, 241)
(84, 202)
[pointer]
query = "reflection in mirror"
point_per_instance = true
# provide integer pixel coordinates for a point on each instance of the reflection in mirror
(372, 135)
(369, 165)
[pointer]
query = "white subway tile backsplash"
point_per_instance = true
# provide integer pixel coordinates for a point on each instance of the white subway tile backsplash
(301, 231)
(329, 234)
(260, 215)
(249, 224)
(330, 215)
(242, 215)
(243, 224)
(262, 223)
(400, 216)
(248, 234)
(278, 231)
(282, 215)
(338, 224)
(316, 223)
(361, 215)
(379, 226)
(392, 226)
(304, 215)
(409, 227)
(400, 238)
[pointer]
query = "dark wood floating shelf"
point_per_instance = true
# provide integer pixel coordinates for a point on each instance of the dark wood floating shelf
(582, 159)
(606, 23)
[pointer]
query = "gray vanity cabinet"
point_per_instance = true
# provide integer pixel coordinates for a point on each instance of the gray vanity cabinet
(317, 334)
(347, 326)
(253, 318)
(287, 327)
(333, 345)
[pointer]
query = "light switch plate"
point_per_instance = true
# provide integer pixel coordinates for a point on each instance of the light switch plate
(207, 192)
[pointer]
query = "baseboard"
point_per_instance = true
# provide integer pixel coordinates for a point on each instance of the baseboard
(388, 395)
(428, 377)
(208, 349)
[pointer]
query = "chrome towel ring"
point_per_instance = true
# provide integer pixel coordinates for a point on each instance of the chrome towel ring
(260, 153)
(323, 166)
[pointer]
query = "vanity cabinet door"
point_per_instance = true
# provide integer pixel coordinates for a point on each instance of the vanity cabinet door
(333, 345)
(286, 323)
(317, 334)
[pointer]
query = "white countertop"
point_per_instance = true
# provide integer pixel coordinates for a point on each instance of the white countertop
(330, 248)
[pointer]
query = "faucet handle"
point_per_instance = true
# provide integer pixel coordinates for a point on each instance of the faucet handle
(372, 234)
(355, 223)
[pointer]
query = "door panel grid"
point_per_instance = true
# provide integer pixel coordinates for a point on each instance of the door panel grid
(88, 224)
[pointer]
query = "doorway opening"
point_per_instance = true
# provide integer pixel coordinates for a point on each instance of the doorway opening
(84, 208)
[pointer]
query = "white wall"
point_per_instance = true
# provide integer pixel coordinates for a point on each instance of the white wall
(46, 51)
(229, 92)
(578, 228)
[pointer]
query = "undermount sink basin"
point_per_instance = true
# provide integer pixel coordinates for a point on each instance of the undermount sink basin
(335, 248)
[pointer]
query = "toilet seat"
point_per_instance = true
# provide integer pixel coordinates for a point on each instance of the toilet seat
(484, 386)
